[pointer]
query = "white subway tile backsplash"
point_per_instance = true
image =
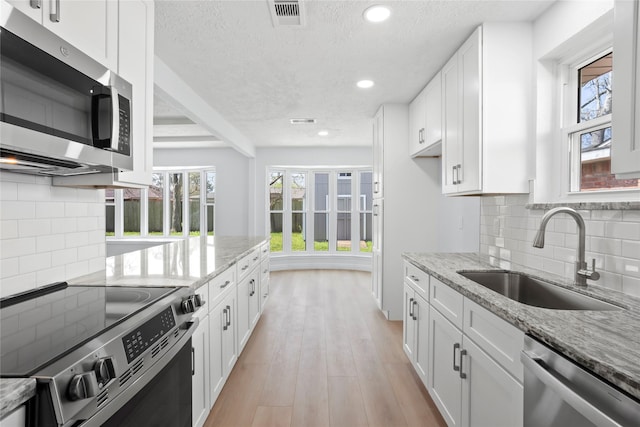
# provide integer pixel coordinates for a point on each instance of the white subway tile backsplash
(13, 209)
(44, 229)
(613, 240)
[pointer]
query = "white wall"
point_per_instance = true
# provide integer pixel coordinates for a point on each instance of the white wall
(47, 234)
(234, 175)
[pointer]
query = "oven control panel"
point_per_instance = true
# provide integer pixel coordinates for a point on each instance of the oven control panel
(140, 339)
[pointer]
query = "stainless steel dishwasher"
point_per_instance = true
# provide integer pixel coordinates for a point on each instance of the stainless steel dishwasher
(559, 393)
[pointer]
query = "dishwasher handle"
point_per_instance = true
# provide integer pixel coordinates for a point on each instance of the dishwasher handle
(561, 386)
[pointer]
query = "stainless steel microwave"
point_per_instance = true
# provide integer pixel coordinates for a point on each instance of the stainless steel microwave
(61, 112)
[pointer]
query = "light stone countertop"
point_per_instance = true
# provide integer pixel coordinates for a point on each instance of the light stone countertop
(605, 342)
(190, 262)
(14, 392)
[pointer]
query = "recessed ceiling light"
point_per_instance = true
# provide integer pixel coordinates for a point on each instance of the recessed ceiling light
(377, 13)
(323, 133)
(365, 84)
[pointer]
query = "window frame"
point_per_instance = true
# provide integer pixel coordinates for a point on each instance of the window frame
(310, 211)
(118, 203)
(568, 149)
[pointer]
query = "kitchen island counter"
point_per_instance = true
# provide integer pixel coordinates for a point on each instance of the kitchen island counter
(14, 392)
(604, 342)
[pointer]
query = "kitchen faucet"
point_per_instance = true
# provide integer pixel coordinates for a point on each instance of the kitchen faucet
(582, 272)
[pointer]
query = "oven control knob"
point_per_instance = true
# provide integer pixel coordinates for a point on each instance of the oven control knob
(83, 386)
(189, 305)
(105, 371)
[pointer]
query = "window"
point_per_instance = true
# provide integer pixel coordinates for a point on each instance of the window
(332, 209)
(588, 127)
(160, 210)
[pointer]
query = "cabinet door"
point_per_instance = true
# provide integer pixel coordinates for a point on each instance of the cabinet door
(89, 25)
(490, 396)
(421, 347)
(31, 8)
(229, 336)
(408, 324)
(254, 298)
(378, 153)
(433, 112)
(445, 384)
(625, 151)
(243, 331)
(218, 320)
(450, 126)
(417, 114)
(470, 96)
(200, 373)
(135, 64)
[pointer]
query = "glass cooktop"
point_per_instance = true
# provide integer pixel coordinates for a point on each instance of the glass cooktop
(38, 327)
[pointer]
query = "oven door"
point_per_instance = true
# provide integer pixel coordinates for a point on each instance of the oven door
(160, 397)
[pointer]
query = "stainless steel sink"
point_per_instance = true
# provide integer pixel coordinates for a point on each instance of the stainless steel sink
(528, 290)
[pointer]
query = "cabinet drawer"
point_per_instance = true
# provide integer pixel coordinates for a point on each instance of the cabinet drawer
(499, 339)
(418, 279)
(247, 262)
(447, 301)
(264, 250)
(219, 286)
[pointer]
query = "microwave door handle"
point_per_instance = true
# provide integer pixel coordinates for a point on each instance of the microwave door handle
(115, 119)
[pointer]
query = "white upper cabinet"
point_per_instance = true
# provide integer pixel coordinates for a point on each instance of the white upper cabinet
(135, 65)
(487, 112)
(625, 149)
(425, 121)
(89, 25)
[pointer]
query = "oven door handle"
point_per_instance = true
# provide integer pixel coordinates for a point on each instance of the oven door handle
(121, 399)
(562, 387)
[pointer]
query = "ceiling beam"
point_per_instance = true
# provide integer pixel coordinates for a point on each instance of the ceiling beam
(175, 91)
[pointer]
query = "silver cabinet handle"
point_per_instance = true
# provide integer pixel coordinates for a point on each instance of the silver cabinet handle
(229, 313)
(256, 258)
(226, 283)
(459, 173)
(245, 267)
(55, 16)
(463, 353)
(193, 361)
(555, 381)
(414, 278)
(456, 346)
(454, 181)
(224, 326)
(411, 307)
(376, 189)
(36, 4)
(415, 302)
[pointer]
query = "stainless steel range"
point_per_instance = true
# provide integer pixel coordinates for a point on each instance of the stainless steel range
(102, 355)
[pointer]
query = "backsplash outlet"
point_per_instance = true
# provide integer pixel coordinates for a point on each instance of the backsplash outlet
(47, 233)
(507, 230)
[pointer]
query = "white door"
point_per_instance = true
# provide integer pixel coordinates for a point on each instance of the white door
(254, 299)
(421, 347)
(242, 327)
(450, 125)
(217, 321)
(89, 25)
(408, 324)
(445, 385)
(230, 349)
(200, 373)
(490, 395)
(469, 178)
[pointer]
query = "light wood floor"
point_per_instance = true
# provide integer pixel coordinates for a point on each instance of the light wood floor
(323, 355)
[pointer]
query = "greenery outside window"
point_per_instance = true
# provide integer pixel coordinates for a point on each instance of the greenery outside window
(160, 209)
(331, 208)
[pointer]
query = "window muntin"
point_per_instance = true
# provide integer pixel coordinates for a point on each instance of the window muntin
(328, 212)
(160, 209)
(365, 209)
(276, 208)
(590, 136)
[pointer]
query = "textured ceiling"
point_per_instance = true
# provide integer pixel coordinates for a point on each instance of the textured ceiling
(258, 76)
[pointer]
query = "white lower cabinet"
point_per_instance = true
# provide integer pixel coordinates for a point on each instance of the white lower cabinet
(17, 418)
(415, 333)
(467, 357)
(248, 306)
(223, 355)
(200, 373)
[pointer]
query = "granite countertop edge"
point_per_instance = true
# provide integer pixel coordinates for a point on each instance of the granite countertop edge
(601, 341)
(14, 392)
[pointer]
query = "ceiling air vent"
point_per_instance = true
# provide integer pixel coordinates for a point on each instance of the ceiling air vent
(302, 121)
(287, 12)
